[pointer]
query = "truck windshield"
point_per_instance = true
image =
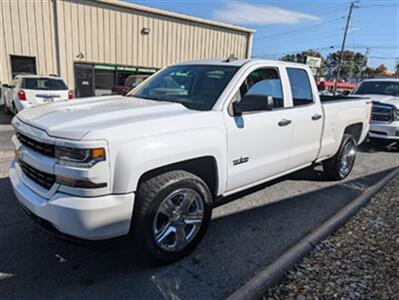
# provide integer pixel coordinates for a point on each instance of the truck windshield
(195, 86)
(43, 84)
(389, 88)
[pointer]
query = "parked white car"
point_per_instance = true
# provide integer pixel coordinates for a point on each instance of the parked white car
(32, 90)
(385, 112)
(150, 166)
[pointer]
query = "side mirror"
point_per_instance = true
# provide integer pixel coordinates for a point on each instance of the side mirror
(253, 103)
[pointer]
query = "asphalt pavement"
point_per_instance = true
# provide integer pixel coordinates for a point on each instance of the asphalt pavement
(246, 234)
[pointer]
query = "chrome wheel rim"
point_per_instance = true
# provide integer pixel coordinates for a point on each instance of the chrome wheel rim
(178, 219)
(348, 158)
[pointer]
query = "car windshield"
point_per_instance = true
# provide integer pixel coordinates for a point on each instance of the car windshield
(195, 86)
(389, 88)
(43, 84)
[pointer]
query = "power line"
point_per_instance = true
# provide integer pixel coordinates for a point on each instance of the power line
(311, 39)
(298, 30)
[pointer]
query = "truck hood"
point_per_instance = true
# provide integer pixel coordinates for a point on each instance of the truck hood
(393, 100)
(74, 119)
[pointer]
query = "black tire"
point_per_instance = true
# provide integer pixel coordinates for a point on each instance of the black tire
(150, 195)
(332, 166)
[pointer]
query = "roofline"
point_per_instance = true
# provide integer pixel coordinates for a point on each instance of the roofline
(175, 15)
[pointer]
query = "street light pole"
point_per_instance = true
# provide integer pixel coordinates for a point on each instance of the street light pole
(341, 55)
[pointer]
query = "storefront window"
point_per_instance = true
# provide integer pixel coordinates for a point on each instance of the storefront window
(22, 64)
(103, 82)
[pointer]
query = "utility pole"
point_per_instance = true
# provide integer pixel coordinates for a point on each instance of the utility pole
(365, 63)
(343, 47)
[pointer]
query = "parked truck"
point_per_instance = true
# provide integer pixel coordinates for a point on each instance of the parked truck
(385, 112)
(150, 166)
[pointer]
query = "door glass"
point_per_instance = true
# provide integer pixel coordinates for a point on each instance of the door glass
(84, 80)
(23, 64)
(264, 82)
(300, 86)
(104, 81)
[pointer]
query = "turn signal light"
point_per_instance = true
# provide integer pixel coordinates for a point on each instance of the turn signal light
(97, 153)
(21, 95)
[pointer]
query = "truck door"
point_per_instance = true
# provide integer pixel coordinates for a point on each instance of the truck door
(306, 116)
(258, 142)
(84, 80)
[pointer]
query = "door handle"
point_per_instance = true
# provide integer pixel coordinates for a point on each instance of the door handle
(316, 117)
(284, 122)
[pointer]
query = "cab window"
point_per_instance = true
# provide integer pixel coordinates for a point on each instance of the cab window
(265, 81)
(300, 86)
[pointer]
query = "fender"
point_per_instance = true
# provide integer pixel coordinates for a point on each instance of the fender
(138, 156)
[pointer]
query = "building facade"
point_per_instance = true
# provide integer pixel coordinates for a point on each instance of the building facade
(95, 45)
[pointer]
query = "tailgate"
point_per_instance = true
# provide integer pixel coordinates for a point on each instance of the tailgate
(36, 97)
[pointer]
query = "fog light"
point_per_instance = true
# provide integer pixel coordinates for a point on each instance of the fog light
(79, 183)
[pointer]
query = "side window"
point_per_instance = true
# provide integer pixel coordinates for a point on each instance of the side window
(264, 82)
(300, 86)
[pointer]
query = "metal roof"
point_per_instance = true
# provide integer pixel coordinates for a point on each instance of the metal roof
(175, 15)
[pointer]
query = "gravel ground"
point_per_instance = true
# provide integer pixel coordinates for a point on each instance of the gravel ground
(359, 261)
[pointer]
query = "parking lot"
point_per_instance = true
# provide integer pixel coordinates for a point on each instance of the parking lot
(247, 233)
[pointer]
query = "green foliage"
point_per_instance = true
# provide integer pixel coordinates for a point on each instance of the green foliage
(351, 66)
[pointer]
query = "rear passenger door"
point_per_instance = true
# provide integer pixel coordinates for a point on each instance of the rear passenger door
(307, 118)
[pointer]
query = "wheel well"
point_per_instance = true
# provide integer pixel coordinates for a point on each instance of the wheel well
(355, 130)
(203, 167)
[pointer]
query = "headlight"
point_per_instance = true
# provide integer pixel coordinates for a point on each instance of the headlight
(74, 157)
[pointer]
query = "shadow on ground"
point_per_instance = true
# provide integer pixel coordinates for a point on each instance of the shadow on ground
(4, 118)
(34, 265)
(373, 146)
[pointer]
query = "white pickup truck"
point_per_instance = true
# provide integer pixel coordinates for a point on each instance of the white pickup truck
(150, 166)
(385, 112)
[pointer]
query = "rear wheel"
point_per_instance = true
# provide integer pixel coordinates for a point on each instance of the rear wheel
(171, 214)
(340, 165)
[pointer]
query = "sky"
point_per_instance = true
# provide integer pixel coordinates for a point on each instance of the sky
(289, 26)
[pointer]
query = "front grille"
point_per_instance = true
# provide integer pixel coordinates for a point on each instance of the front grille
(41, 178)
(43, 148)
(382, 112)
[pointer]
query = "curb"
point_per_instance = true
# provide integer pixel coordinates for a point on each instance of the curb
(255, 288)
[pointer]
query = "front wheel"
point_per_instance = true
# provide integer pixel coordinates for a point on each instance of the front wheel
(340, 165)
(171, 214)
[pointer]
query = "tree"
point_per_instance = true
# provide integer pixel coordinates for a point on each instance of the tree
(300, 57)
(376, 72)
(351, 65)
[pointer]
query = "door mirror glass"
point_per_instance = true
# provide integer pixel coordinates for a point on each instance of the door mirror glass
(251, 103)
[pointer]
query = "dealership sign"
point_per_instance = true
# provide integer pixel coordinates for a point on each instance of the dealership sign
(313, 62)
